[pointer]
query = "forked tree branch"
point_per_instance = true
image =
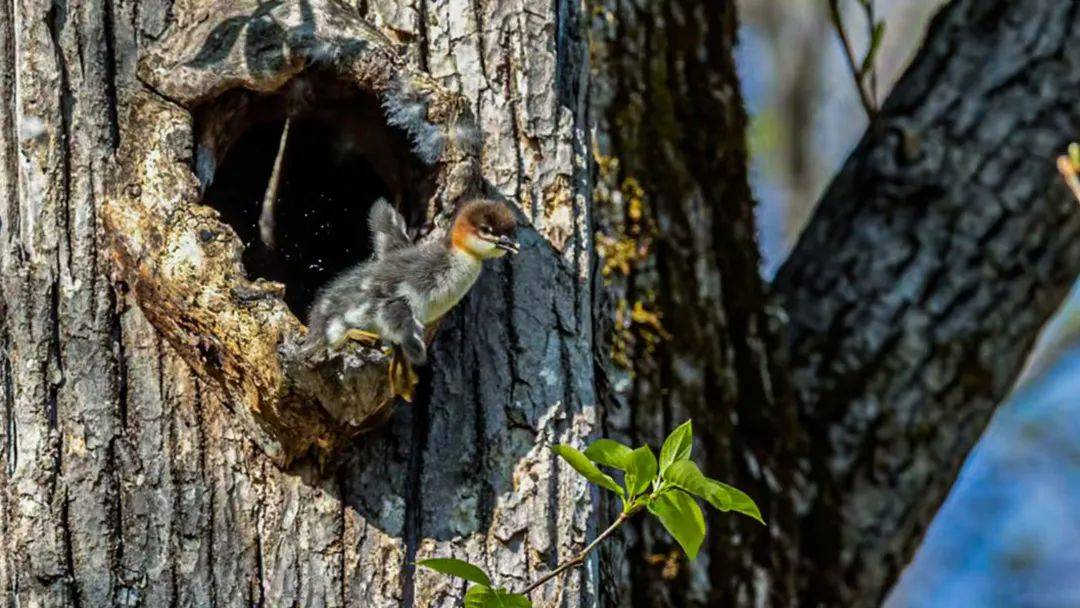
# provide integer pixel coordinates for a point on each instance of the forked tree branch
(858, 75)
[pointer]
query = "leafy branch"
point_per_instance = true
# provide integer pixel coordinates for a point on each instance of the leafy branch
(667, 488)
(863, 71)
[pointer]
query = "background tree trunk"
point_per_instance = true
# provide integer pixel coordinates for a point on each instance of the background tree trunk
(914, 294)
(127, 481)
(665, 70)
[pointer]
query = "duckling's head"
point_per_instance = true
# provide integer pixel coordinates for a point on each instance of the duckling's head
(484, 229)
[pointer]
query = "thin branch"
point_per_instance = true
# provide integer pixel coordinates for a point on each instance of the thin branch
(871, 28)
(849, 54)
(579, 559)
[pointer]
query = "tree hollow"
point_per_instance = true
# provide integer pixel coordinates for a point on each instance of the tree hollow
(186, 190)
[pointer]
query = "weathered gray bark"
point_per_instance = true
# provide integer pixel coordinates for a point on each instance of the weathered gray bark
(913, 297)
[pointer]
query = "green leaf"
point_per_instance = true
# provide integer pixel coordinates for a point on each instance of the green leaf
(740, 502)
(682, 518)
(687, 476)
(587, 469)
(458, 568)
(609, 453)
(640, 470)
(482, 596)
(1074, 154)
(677, 446)
(512, 600)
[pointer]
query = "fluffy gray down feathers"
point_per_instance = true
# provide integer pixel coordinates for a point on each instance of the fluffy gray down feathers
(388, 228)
(368, 296)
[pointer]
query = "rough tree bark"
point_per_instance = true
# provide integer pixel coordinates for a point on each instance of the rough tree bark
(127, 480)
(920, 285)
(913, 297)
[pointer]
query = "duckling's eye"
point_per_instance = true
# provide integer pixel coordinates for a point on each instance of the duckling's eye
(485, 230)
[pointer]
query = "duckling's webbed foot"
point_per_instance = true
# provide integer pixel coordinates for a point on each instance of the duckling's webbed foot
(403, 378)
(366, 338)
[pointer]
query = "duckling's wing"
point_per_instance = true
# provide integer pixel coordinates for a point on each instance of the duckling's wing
(388, 228)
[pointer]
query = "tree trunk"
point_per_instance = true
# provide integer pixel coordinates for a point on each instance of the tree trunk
(664, 72)
(129, 479)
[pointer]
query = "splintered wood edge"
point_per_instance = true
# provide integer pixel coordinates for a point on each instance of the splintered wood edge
(183, 263)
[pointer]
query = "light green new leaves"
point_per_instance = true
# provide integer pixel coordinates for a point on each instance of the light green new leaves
(677, 446)
(741, 502)
(609, 453)
(682, 518)
(641, 470)
(666, 487)
(458, 568)
(481, 596)
(686, 475)
(587, 469)
(639, 465)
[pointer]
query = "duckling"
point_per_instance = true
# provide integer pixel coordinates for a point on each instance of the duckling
(405, 287)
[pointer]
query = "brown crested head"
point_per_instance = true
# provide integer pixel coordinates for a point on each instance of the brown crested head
(485, 228)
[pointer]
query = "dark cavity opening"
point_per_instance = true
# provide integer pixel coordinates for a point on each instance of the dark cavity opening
(340, 157)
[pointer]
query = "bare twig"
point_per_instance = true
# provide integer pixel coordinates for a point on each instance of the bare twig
(266, 217)
(866, 97)
(871, 30)
(579, 559)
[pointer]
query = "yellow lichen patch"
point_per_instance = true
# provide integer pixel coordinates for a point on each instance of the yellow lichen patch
(638, 331)
(624, 214)
(624, 243)
(649, 319)
(668, 563)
